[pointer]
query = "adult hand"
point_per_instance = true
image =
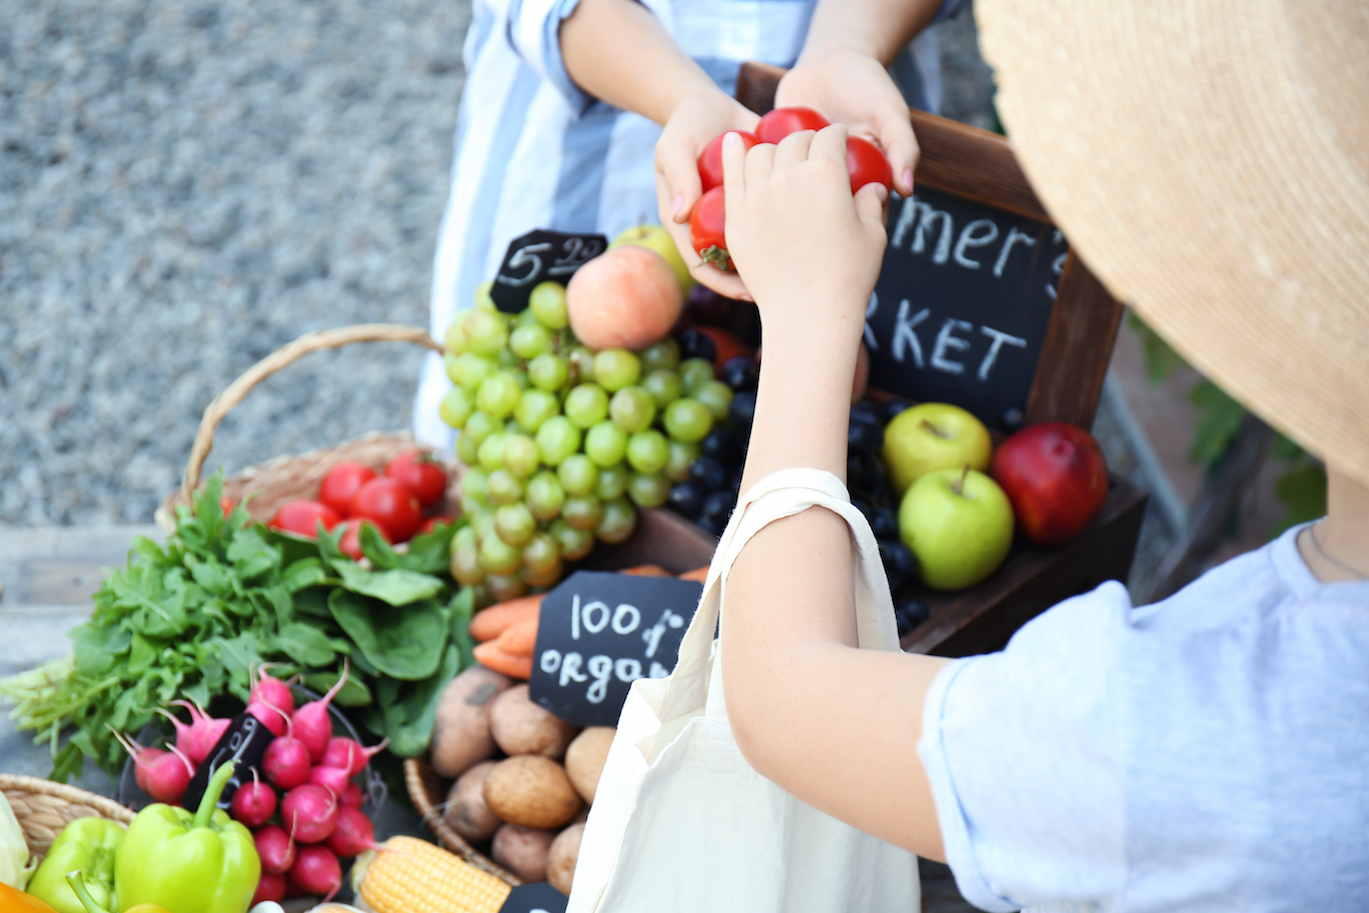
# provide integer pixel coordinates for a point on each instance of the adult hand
(805, 245)
(694, 122)
(855, 89)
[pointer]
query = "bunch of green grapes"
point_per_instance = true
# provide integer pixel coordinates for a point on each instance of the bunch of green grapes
(562, 444)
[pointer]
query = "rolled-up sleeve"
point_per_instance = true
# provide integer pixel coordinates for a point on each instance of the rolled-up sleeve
(533, 29)
(1022, 749)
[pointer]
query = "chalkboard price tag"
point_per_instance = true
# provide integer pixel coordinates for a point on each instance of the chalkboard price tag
(962, 305)
(598, 633)
(539, 256)
(538, 897)
(243, 742)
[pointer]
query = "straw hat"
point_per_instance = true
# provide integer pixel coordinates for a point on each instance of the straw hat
(1209, 159)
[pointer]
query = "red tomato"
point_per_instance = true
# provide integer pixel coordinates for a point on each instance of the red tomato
(340, 485)
(303, 517)
(706, 229)
(389, 505)
(351, 537)
(781, 122)
(226, 504)
(433, 523)
(866, 164)
(421, 474)
(711, 159)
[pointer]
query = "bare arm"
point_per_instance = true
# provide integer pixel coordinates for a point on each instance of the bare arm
(875, 28)
(836, 726)
(617, 51)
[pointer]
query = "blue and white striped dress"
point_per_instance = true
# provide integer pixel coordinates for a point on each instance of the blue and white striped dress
(534, 151)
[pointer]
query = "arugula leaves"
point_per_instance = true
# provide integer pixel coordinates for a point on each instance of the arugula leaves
(193, 617)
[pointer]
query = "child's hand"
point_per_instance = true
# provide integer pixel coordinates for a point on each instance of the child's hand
(855, 89)
(808, 251)
(694, 123)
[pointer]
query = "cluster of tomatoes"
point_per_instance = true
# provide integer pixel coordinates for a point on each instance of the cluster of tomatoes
(865, 163)
(351, 493)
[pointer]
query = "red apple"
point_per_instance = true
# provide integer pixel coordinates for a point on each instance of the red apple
(1055, 477)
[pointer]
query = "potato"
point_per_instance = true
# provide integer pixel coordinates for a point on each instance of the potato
(467, 813)
(585, 759)
(522, 727)
(461, 731)
(523, 851)
(565, 850)
(532, 791)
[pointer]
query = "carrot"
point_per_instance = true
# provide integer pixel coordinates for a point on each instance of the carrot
(491, 657)
(699, 574)
(490, 623)
(519, 638)
(646, 570)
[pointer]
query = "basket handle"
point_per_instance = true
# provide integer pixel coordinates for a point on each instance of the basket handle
(288, 354)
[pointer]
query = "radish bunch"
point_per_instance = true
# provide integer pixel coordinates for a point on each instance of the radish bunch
(303, 805)
(306, 813)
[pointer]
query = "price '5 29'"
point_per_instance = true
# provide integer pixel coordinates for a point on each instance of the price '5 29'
(552, 259)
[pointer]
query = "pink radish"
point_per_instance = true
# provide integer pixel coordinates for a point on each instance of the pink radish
(276, 849)
(198, 739)
(354, 833)
(163, 775)
(311, 811)
(286, 762)
(350, 754)
(254, 803)
(317, 871)
(333, 779)
(352, 796)
(270, 887)
(272, 692)
(311, 723)
(269, 716)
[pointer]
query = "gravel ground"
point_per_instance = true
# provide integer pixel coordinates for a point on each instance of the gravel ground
(185, 187)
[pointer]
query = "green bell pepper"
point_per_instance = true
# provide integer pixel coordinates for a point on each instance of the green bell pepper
(88, 844)
(188, 863)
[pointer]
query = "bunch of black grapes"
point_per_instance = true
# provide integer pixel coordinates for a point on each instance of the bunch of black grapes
(709, 494)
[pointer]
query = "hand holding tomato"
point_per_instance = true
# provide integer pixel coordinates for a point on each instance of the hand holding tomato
(855, 89)
(693, 125)
(799, 236)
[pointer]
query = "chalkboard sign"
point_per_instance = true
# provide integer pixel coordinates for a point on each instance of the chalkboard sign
(598, 632)
(980, 302)
(243, 742)
(539, 256)
(538, 897)
(962, 305)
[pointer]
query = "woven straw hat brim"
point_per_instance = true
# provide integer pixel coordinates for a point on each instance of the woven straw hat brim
(1209, 160)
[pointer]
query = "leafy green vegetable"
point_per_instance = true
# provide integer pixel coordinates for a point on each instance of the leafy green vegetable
(195, 616)
(403, 644)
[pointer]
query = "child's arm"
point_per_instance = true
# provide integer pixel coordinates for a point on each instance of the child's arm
(841, 72)
(836, 726)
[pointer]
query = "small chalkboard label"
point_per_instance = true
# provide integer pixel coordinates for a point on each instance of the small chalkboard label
(243, 742)
(538, 897)
(598, 633)
(962, 304)
(538, 256)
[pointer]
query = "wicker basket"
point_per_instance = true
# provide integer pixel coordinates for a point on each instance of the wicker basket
(44, 808)
(283, 479)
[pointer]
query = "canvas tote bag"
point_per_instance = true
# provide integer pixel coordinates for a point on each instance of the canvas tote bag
(680, 821)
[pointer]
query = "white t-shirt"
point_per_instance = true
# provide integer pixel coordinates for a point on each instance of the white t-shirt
(1208, 753)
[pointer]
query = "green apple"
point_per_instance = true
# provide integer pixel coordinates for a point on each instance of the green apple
(958, 523)
(932, 436)
(654, 237)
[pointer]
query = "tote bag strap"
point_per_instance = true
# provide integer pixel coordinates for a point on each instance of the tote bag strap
(780, 494)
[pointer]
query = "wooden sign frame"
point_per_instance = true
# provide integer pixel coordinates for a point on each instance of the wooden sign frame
(980, 166)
